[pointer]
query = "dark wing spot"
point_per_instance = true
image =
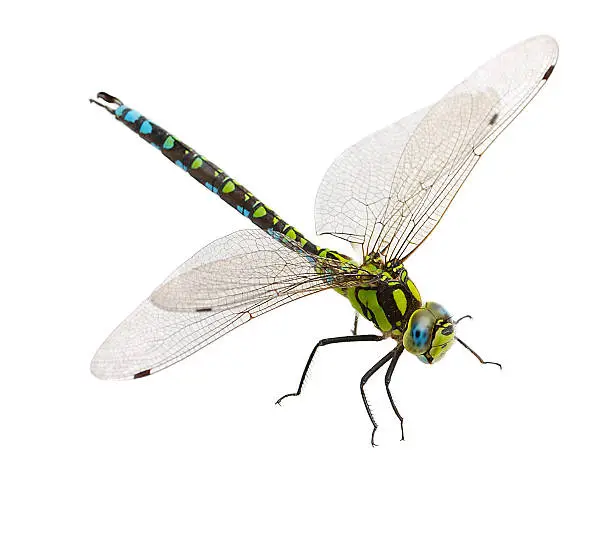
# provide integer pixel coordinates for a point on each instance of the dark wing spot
(143, 374)
(493, 119)
(204, 310)
(548, 72)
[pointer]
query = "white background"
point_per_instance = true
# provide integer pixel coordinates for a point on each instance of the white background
(92, 219)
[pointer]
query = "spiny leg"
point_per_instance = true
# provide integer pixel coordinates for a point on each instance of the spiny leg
(365, 379)
(388, 377)
(325, 342)
(355, 324)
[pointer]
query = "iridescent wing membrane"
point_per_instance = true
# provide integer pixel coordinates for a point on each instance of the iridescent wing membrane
(387, 193)
(227, 283)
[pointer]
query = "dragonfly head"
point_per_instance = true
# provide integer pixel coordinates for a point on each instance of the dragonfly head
(430, 333)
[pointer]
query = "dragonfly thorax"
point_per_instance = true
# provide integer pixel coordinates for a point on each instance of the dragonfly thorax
(393, 304)
(390, 301)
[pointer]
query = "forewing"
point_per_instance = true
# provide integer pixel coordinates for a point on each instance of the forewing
(354, 192)
(227, 283)
(388, 192)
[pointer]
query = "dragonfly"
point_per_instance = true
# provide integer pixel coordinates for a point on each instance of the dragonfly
(384, 196)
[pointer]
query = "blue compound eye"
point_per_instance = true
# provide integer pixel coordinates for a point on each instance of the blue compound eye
(417, 337)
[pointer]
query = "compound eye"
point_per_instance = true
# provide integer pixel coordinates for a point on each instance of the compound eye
(438, 310)
(417, 337)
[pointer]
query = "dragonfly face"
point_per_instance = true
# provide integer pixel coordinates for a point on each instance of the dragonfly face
(430, 333)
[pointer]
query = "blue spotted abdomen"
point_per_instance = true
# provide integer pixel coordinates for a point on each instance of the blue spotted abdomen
(213, 178)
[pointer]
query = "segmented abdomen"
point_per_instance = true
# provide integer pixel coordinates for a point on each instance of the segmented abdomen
(215, 179)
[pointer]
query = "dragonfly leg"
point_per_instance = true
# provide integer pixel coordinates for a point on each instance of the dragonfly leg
(365, 379)
(355, 324)
(325, 342)
(388, 377)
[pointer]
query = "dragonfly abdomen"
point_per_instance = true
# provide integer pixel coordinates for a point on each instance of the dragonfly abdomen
(208, 174)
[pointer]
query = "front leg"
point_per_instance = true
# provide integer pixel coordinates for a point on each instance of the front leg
(325, 342)
(355, 324)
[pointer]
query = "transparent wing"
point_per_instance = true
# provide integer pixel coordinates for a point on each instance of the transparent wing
(227, 283)
(388, 192)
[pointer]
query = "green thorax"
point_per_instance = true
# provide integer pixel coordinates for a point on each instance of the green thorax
(389, 302)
